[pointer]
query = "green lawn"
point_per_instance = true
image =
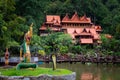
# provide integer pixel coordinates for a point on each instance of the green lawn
(33, 72)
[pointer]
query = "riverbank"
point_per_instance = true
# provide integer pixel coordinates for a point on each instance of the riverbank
(108, 59)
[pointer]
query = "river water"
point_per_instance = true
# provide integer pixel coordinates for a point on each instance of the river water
(90, 71)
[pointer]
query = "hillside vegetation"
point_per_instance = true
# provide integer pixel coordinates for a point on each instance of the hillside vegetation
(17, 15)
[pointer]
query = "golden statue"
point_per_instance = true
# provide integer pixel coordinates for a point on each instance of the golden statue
(25, 46)
(25, 59)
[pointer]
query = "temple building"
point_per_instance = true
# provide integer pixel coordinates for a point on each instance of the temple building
(81, 29)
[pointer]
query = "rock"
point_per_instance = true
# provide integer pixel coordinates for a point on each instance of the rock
(41, 77)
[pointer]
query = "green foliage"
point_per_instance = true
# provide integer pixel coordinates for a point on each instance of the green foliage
(41, 52)
(11, 25)
(35, 40)
(36, 44)
(63, 49)
(110, 45)
(56, 42)
(77, 49)
(117, 32)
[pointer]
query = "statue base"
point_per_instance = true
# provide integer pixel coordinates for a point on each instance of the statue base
(25, 65)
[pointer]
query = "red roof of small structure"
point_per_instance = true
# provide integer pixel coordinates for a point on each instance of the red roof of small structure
(98, 28)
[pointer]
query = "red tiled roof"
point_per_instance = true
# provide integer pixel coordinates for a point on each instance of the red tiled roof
(86, 41)
(85, 19)
(66, 18)
(98, 28)
(53, 19)
(74, 32)
(76, 22)
(75, 17)
(80, 30)
(57, 23)
(85, 32)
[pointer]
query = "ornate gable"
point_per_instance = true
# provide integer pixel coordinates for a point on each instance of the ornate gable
(66, 18)
(75, 17)
(83, 18)
(74, 32)
(84, 31)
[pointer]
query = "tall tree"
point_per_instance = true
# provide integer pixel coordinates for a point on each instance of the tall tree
(10, 25)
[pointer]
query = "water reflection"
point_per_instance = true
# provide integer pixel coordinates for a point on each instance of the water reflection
(89, 76)
(86, 76)
(91, 71)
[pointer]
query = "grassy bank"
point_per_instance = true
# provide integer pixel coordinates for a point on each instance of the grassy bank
(33, 72)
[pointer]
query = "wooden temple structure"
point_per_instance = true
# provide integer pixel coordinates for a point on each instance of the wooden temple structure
(81, 29)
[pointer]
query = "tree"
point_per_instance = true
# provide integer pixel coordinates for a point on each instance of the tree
(32, 10)
(57, 42)
(109, 45)
(77, 49)
(112, 4)
(36, 44)
(10, 25)
(117, 35)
